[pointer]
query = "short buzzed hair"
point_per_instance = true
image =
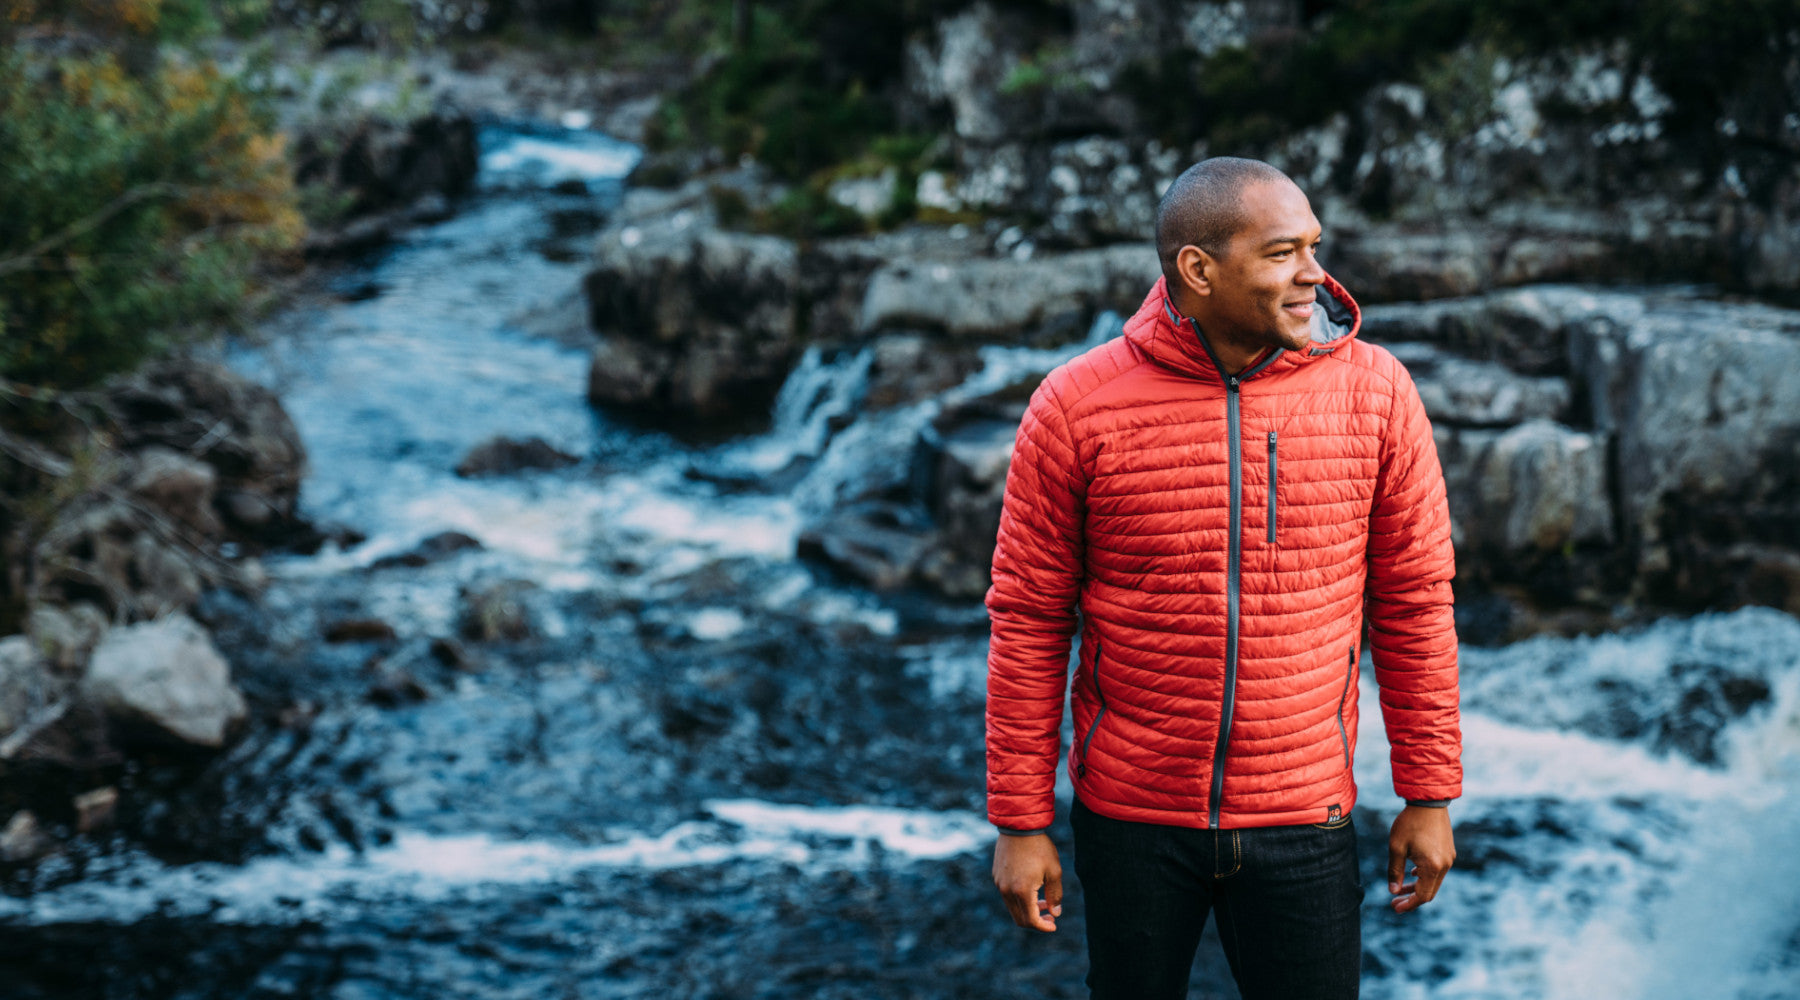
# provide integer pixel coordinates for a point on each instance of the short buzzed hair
(1203, 206)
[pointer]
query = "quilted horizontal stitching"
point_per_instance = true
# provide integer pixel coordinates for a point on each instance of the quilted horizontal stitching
(1339, 424)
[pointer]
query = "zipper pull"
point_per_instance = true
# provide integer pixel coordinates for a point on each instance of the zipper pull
(1231, 383)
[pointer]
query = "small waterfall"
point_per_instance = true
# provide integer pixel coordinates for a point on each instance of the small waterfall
(817, 398)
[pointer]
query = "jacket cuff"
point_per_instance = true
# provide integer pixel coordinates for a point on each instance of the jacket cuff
(1428, 803)
(1010, 832)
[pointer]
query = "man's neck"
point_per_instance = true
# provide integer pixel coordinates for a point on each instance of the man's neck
(1233, 358)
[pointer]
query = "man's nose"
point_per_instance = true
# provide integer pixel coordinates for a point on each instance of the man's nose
(1311, 273)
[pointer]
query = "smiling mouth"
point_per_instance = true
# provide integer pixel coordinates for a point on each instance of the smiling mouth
(1300, 309)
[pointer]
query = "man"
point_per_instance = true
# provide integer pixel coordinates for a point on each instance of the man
(1223, 498)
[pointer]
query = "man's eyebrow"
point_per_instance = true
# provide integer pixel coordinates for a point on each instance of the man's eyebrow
(1279, 241)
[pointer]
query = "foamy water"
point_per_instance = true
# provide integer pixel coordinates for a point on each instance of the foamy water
(428, 868)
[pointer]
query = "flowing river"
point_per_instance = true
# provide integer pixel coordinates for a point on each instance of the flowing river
(689, 765)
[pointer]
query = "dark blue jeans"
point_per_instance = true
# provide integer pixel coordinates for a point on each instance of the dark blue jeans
(1288, 899)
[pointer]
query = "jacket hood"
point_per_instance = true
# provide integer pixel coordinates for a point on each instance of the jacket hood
(1173, 341)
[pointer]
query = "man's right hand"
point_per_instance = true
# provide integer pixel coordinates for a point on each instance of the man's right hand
(1022, 866)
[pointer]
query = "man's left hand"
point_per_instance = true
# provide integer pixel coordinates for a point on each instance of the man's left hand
(1421, 835)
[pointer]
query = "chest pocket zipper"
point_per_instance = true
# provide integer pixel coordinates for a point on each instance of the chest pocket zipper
(1093, 727)
(1344, 731)
(1271, 487)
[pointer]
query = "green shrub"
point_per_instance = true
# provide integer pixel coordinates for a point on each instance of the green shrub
(808, 86)
(134, 204)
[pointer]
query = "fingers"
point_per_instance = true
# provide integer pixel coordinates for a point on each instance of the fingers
(1029, 911)
(1396, 871)
(1053, 892)
(1409, 896)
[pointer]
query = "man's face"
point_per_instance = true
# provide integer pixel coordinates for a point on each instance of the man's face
(1262, 285)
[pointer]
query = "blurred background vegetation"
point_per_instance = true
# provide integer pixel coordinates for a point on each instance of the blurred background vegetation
(139, 183)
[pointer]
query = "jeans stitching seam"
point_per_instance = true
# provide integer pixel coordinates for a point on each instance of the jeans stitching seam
(1237, 856)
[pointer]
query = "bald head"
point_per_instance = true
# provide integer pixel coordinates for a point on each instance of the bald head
(1204, 206)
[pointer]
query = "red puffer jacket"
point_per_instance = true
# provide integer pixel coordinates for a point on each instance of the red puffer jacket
(1221, 540)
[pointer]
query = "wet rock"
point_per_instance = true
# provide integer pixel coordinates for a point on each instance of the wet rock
(981, 299)
(1385, 264)
(1712, 698)
(694, 320)
(504, 455)
(1466, 393)
(497, 611)
(452, 654)
(435, 548)
(1527, 330)
(359, 630)
(691, 711)
(1537, 487)
(562, 318)
(878, 542)
(182, 487)
(208, 413)
(383, 164)
(166, 674)
(23, 839)
(65, 635)
(29, 692)
(908, 367)
(968, 483)
(396, 687)
(1707, 412)
(94, 809)
(310, 538)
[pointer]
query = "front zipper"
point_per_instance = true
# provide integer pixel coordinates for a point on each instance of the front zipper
(1093, 727)
(1344, 731)
(1234, 422)
(1271, 487)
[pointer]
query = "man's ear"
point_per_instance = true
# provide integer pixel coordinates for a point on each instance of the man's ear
(1196, 267)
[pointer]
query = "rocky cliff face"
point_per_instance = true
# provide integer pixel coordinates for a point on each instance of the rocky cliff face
(1493, 170)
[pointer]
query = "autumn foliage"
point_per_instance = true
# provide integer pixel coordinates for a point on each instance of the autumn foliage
(140, 185)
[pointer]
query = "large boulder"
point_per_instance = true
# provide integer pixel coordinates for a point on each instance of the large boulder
(1707, 408)
(968, 460)
(165, 676)
(180, 486)
(500, 456)
(878, 542)
(207, 413)
(30, 692)
(1461, 392)
(694, 320)
(1539, 487)
(382, 162)
(992, 299)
